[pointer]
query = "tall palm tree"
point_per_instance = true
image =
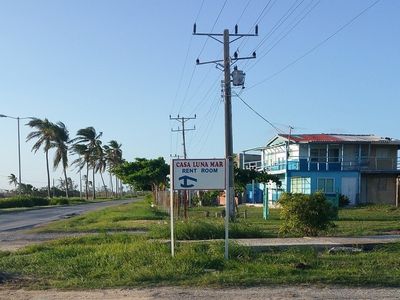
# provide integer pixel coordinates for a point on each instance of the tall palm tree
(82, 161)
(101, 163)
(44, 133)
(91, 139)
(60, 142)
(114, 158)
(12, 179)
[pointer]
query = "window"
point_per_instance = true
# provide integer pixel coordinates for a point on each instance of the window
(301, 185)
(318, 153)
(333, 153)
(326, 185)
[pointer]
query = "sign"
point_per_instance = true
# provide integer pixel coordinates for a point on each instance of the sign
(198, 174)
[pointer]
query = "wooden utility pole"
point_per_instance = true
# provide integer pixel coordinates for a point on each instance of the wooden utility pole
(227, 63)
(183, 120)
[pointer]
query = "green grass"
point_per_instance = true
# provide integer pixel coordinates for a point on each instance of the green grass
(359, 221)
(133, 216)
(123, 260)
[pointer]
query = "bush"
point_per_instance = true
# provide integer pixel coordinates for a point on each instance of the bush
(343, 200)
(306, 215)
(59, 201)
(23, 201)
(207, 198)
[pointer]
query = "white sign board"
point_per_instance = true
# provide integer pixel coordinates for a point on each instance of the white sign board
(199, 174)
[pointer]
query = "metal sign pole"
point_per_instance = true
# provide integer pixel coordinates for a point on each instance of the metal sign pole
(171, 205)
(227, 197)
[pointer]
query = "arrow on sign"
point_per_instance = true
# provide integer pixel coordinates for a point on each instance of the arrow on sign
(185, 181)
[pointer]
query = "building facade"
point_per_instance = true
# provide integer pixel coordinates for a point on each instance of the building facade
(365, 168)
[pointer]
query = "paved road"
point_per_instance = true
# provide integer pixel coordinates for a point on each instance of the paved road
(30, 218)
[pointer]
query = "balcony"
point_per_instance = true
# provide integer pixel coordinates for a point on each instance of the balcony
(335, 164)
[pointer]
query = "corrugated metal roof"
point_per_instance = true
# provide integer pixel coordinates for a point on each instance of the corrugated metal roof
(340, 138)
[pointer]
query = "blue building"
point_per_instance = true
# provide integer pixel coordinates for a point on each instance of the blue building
(365, 168)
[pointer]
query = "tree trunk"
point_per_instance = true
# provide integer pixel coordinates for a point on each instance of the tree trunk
(111, 183)
(104, 185)
(116, 186)
(94, 187)
(48, 174)
(87, 182)
(66, 183)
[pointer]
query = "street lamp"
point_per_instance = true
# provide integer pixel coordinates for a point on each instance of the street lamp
(19, 147)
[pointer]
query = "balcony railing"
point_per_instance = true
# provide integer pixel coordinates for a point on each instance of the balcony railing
(333, 164)
(253, 165)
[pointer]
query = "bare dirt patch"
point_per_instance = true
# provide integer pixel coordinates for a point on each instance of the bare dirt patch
(268, 292)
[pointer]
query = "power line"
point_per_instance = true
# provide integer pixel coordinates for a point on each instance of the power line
(258, 114)
(285, 16)
(183, 120)
(262, 14)
(281, 21)
(210, 127)
(286, 34)
(201, 51)
(187, 89)
(186, 58)
(243, 11)
(203, 127)
(316, 46)
(211, 89)
(198, 13)
(212, 28)
(259, 18)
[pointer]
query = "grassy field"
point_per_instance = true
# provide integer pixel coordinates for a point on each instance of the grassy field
(358, 221)
(123, 259)
(134, 216)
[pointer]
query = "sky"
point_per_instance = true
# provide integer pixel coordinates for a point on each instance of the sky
(124, 67)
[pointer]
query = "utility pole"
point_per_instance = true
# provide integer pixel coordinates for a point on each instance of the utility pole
(183, 120)
(226, 68)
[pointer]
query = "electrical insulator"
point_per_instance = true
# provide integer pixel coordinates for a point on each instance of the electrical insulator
(238, 77)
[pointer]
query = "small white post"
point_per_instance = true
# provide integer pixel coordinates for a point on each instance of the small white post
(171, 205)
(227, 197)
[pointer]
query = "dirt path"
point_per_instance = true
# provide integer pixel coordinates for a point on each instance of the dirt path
(269, 292)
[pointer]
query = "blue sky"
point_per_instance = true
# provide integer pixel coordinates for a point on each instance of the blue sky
(125, 66)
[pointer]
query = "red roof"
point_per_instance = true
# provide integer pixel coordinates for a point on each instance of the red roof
(311, 138)
(340, 138)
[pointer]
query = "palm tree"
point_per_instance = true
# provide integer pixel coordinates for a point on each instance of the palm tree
(114, 158)
(91, 140)
(12, 179)
(81, 162)
(101, 163)
(44, 133)
(60, 142)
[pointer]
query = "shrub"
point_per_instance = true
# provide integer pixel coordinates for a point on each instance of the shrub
(59, 201)
(209, 198)
(23, 201)
(306, 215)
(343, 200)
